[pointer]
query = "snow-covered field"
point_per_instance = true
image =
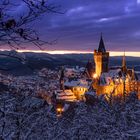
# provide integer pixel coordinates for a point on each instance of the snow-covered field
(26, 113)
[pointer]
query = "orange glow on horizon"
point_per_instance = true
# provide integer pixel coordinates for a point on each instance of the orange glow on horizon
(112, 53)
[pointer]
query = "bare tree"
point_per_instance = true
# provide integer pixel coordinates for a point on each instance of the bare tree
(16, 30)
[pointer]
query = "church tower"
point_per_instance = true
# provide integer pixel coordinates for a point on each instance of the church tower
(101, 58)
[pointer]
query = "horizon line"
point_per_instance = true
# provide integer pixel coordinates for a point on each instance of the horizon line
(112, 53)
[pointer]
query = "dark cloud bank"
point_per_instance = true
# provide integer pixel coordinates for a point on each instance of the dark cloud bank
(80, 26)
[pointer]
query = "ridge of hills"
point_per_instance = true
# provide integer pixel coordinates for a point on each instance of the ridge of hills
(37, 61)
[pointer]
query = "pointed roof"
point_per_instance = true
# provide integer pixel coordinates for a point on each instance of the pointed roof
(62, 74)
(124, 61)
(101, 45)
(133, 73)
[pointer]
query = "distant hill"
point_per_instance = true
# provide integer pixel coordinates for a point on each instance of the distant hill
(36, 61)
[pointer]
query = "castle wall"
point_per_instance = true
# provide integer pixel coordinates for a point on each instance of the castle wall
(108, 89)
(98, 62)
(118, 89)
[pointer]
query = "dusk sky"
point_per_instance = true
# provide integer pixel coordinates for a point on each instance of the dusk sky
(79, 28)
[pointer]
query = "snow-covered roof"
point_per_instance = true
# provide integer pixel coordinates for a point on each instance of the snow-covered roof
(77, 83)
(66, 95)
(111, 73)
(107, 76)
(65, 92)
(74, 71)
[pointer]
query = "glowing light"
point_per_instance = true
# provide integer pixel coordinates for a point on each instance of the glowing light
(95, 76)
(134, 54)
(59, 109)
(56, 51)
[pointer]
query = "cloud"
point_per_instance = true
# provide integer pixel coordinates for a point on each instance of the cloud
(75, 10)
(84, 20)
(138, 1)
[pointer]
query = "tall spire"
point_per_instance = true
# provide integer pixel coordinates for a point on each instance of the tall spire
(124, 63)
(101, 45)
(133, 73)
(61, 80)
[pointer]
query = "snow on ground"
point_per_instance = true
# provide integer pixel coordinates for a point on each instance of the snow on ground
(26, 115)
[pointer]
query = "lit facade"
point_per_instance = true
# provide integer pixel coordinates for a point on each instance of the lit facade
(116, 82)
(101, 58)
(101, 79)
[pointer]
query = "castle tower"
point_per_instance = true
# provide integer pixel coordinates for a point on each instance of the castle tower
(124, 67)
(101, 58)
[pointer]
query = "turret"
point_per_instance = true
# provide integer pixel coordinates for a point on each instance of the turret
(124, 67)
(133, 74)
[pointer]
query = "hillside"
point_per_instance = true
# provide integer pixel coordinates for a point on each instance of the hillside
(37, 61)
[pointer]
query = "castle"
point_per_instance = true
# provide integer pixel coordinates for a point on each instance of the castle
(97, 80)
(115, 81)
(100, 79)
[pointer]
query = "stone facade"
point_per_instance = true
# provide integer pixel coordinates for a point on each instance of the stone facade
(118, 89)
(101, 62)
